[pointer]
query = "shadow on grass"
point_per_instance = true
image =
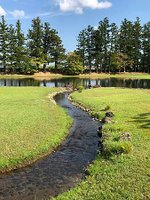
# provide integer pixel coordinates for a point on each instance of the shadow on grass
(143, 120)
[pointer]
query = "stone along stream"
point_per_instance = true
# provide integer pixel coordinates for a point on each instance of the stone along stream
(62, 169)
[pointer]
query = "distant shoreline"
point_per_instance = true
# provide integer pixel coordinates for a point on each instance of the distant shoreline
(49, 75)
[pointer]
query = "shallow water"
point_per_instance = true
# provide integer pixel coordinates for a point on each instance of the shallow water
(107, 82)
(60, 170)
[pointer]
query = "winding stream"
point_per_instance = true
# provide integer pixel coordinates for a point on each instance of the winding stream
(60, 170)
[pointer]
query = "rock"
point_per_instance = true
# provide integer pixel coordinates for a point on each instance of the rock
(100, 134)
(100, 128)
(106, 120)
(109, 114)
(125, 136)
(87, 173)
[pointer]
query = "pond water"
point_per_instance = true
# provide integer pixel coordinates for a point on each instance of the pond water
(107, 82)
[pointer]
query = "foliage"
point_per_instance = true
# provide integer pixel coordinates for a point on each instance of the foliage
(120, 62)
(80, 88)
(97, 47)
(73, 65)
(4, 43)
(42, 46)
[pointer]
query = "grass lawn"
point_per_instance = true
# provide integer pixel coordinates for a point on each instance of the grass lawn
(30, 125)
(125, 176)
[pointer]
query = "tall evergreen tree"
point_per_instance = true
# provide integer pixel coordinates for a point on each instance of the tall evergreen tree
(4, 43)
(22, 60)
(35, 37)
(81, 46)
(98, 43)
(114, 47)
(57, 51)
(136, 52)
(89, 40)
(103, 43)
(126, 38)
(47, 43)
(11, 50)
(146, 47)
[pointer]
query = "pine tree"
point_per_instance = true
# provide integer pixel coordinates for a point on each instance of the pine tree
(98, 43)
(136, 52)
(35, 37)
(81, 46)
(114, 47)
(146, 47)
(57, 51)
(102, 38)
(126, 39)
(4, 43)
(47, 43)
(89, 41)
(22, 59)
(11, 49)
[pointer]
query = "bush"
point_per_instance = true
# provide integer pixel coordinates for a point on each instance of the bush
(73, 65)
(80, 89)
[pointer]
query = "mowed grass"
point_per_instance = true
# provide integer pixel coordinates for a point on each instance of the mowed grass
(125, 176)
(30, 125)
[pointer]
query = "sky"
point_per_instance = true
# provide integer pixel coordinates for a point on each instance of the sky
(69, 17)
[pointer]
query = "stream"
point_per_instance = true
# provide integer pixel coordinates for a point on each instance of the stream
(62, 169)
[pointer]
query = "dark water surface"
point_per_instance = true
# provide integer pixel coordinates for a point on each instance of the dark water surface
(108, 82)
(62, 169)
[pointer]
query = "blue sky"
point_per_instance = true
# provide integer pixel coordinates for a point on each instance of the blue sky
(69, 17)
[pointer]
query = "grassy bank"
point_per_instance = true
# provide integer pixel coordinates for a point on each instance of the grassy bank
(121, 75)
(125, 176)
(47, 76)
(30, 125)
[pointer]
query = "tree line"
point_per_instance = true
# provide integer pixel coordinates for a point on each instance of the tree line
(31, 53)
(109, 48)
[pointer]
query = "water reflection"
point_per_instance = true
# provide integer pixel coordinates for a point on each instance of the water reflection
(108, 82)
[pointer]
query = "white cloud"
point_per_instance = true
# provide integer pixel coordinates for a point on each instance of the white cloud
(2, 11)
(18, 13)
(78, 6)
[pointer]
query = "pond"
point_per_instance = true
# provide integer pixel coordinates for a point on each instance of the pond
(61, 82)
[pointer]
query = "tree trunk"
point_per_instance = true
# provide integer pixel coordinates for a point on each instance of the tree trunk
(124, 69)
(56, 66)
(44, 67)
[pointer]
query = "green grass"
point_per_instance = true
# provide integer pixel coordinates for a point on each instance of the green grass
(30, 125)
(125, 176)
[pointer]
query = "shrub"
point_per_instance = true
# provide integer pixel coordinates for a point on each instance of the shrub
(73, 65)
(80, 89)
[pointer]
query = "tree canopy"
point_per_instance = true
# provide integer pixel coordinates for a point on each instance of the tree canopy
(108, 48)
